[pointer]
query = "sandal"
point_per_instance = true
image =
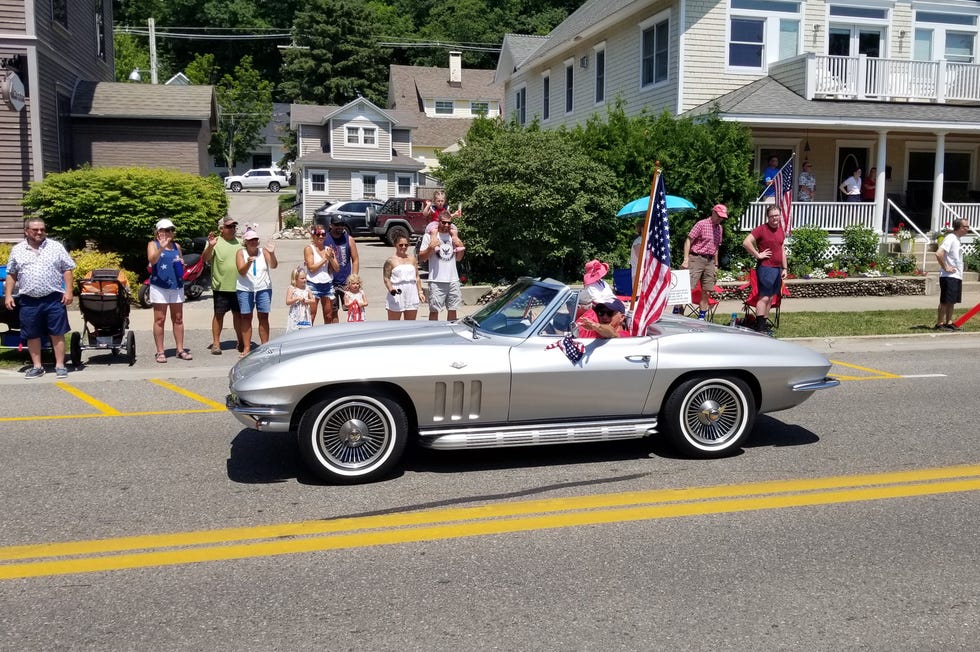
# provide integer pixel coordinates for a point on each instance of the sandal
(185, 355)
(161, 357)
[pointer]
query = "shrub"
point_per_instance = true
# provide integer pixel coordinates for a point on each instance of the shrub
(860, 247)
(290, 221)
(5, 248)
(971, 257)
(808, 247)
(115, 209)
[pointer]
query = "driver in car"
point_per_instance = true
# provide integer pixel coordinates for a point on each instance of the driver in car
(605, 320)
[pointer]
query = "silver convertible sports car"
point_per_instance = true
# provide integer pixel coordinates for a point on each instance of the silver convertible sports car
(356, 394)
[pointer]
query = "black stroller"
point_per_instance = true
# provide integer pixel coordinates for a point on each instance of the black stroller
(104, 300)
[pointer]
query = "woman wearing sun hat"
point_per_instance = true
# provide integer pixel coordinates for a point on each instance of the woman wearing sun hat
(254, 287)
(167, 287)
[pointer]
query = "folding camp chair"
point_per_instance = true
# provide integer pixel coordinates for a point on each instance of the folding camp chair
(748, 307)
(694, 308)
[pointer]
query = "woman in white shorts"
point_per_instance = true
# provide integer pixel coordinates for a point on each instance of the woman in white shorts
(167, 288)
(401, 277)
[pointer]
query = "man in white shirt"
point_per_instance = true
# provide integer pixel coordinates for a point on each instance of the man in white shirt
(950, 259)
(443, 248)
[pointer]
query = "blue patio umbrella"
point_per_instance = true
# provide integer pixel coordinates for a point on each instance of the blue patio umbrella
(639, 206)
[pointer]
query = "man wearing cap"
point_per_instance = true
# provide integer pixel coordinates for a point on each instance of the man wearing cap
(345, 250)
(42, 271)
(221, 252)
(701, 253)
(604, 321)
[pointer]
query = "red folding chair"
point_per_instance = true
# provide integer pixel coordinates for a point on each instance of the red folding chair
(749, 305)
(694, 308)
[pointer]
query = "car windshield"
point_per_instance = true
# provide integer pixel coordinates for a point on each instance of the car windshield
(514, 311)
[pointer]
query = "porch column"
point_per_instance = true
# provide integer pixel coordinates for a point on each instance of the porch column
(880, 190)
(937, 181)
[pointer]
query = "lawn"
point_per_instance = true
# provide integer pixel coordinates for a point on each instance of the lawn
(842, 324)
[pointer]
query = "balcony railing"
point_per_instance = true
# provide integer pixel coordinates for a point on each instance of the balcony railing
(831, 216)
(871, 78)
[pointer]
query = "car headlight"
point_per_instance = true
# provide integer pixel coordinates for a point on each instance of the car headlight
(262, 357)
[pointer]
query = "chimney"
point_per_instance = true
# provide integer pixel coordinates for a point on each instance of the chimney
(455, 68)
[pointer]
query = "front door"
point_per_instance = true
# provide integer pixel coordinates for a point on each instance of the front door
(848, 159)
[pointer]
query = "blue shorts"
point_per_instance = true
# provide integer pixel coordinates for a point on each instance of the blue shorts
(41, 316)
(320, 289)
(259, 301)
(770, 280)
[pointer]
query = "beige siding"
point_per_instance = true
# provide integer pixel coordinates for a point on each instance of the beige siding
(401, 141)
(343, 151)
(139, 142)
(12, 16)
(313, 139)
(705, 55)
(791, 74)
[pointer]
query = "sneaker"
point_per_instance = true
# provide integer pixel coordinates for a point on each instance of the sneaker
(951, 327)
(60, 372)
(939, 327)
(702, 315)
(34, 372)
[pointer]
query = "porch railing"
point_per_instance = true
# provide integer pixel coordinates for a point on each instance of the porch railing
(832, 216)
(872, 78)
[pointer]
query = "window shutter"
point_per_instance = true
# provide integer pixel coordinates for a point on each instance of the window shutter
(356, 185)
(381, 186)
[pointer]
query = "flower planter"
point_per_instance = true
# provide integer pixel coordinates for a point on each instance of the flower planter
(905, 246)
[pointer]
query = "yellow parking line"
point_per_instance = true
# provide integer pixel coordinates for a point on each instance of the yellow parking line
(878, 372)
(188, 394)
(104, 408)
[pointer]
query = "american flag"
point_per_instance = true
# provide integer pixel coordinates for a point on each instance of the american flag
(783, 185)
(654, 285)
(572, 349)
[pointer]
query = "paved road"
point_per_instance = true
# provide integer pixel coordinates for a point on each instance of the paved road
(562, 548)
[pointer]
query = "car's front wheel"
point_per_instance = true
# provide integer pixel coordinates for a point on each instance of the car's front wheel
(350, 438)
(236, 186)
(708, 417)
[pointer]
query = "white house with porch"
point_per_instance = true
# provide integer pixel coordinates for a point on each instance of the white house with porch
(886, 84)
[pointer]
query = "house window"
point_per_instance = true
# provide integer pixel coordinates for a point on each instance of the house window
(370, 186)
(600, 75)
(520, 108)
(569, 86)
(654, 51)
(318, 182)
(761, 32)
(59, 12)
(100, 28)
(479, 108)
(859, 12)
(444, 107)
(362, 136)
(944, 36)
(404, 185)
(546, 97)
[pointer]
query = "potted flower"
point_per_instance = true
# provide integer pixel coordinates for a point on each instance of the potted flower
(904, 236)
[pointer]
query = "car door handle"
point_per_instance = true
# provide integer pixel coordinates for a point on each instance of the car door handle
(645, 359)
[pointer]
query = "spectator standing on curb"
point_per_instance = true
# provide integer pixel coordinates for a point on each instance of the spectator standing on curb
(950, 259)
(851, 186)
(167, 288)
(443, 249)
(348, 262)
(254, 288)
(807, 183)
(701, 253)
(402, 281)
(299, 299)
(221, 252)
(767, 244)
(42, 271)
(321, 265)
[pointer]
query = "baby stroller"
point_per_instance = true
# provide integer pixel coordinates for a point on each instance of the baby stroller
(104, 300)
(10, 337)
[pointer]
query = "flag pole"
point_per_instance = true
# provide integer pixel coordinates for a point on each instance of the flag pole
(646, 234)
(766, 189)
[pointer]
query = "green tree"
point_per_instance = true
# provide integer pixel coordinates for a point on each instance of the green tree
(336, 58)
(534, 203)
(245, 101)
(131, 53)
(202, 70)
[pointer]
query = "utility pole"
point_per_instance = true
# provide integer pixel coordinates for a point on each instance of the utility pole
(151, 23)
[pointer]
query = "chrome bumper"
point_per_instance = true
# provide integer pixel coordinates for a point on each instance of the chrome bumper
(259, 417)
(813, 385)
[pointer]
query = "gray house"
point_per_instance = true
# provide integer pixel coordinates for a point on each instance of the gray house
(59, 107)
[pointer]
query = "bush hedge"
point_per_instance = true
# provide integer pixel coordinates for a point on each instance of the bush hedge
(115, 209)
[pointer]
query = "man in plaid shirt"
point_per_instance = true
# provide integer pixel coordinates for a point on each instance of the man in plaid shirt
(701, 253)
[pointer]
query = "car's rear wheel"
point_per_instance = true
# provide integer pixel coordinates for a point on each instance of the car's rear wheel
(708, 417)
(236, 186)
(394, 233)
(274, 186)
(350, 438)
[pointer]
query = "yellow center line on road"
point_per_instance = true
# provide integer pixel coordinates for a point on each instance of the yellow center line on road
(310, 536)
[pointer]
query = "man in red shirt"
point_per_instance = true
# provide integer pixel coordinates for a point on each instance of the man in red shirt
(701, 253)
(604, 321)
(767, 244)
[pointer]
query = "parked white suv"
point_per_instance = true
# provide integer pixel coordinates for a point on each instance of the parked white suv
(270, 178)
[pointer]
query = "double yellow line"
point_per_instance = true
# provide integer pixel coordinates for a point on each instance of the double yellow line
(47, 559)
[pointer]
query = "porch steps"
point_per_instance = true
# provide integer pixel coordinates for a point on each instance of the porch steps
(971, 280)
